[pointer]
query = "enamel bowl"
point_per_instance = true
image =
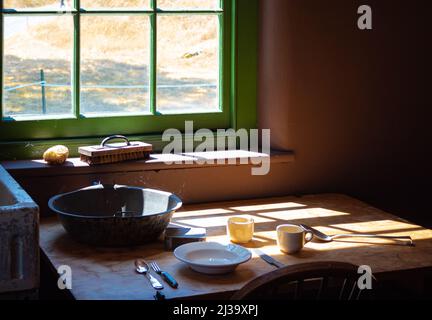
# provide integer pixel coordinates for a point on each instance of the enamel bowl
(115, 215)
(212, 257)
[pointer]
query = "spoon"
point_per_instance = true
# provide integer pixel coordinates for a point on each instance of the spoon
(143, 268)
(326, 238)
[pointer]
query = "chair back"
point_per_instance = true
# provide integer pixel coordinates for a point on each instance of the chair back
(308, 281)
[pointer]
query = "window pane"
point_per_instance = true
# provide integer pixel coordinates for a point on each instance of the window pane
(37, 65)
(115, 57)
(35, 4)
(188, 63)
(110, 4)
(188, 4)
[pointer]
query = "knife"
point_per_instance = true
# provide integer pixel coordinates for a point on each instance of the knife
(269, 259)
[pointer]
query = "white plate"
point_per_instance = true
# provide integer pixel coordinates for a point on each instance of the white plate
(212, 257)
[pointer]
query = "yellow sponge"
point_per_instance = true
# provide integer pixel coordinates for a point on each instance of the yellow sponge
(56, 155)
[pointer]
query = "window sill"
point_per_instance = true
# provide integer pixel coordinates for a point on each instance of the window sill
(156, 162)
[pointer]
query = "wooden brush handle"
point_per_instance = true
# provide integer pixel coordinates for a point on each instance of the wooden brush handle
(106, 140)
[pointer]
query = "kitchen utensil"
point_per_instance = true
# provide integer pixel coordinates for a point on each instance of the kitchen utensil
(165, 275)
(143, 268)
(406, 240)
(268, 259)
(115, 215)
(159, 296)
(291, 238)
(240, 229)
(177, 235)
(212, 257)
(117, 152)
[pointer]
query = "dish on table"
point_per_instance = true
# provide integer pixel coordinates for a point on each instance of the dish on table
(115, 215)
(212, 257)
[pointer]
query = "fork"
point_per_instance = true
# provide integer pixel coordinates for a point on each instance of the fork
(164, 275)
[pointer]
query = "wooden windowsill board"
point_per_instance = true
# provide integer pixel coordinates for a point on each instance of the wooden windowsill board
(154, 163)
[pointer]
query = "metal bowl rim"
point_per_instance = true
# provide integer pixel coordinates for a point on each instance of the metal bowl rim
(56, 197)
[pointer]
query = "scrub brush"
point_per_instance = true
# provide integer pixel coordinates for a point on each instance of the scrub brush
(116, 152)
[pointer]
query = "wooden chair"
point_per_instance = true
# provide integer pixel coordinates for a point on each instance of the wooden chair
(316, 281)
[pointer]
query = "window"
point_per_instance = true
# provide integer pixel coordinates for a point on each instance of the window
(88, 68)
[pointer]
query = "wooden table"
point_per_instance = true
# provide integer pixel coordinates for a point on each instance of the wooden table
(103, 273)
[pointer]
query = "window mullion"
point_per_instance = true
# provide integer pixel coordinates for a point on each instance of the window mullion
(153, 59)
(222, 74)
(76, 61)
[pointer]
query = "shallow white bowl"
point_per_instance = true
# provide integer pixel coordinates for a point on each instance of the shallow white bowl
(212, 257)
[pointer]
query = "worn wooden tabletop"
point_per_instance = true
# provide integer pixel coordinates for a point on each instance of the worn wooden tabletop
(106, 273)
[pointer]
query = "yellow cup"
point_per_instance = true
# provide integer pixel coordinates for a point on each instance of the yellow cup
(240, 229)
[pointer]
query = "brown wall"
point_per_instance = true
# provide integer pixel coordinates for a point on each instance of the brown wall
(353, 105)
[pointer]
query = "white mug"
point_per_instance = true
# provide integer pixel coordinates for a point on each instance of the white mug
(291, 238)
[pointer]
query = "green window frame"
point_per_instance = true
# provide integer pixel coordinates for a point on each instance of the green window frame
(238, 46)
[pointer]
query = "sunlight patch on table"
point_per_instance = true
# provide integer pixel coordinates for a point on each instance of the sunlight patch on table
(270, 206)
(218, 221)
(375, 227)
(301, 214)
(198, 213)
